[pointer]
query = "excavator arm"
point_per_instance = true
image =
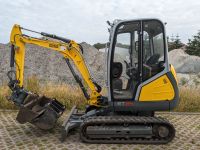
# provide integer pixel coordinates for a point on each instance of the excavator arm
(70, 50)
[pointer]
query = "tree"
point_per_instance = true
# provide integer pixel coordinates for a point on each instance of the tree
(177, 42)
(174, 43)
(193, 47)
(99, 45)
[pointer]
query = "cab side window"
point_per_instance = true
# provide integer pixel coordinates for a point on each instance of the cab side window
(153, 49)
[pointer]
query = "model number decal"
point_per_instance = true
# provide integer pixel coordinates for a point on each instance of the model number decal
(53, 45)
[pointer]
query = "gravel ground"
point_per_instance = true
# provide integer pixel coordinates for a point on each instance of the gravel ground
(17, 136)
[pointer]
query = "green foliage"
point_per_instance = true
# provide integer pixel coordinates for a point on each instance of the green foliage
(174, 43)
(122, 45)
(183, 81)
(99, 45)
(193, 47)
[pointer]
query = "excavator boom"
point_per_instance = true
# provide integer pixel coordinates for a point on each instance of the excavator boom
(70, 50)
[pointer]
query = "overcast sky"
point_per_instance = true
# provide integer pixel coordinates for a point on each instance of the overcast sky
(85, 20)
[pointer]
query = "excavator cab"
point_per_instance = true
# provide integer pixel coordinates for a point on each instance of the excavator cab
(138, 59)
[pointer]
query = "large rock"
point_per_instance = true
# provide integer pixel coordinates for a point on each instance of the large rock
(183, 62)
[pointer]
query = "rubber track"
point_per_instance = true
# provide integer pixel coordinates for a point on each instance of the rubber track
(134, 120)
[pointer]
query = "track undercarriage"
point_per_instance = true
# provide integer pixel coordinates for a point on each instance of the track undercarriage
(96, 127)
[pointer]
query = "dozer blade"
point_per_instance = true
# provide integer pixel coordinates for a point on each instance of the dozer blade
(40, 111)
(72, 121)
(75, 119)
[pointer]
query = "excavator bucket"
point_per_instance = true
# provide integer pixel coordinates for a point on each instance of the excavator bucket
(40, 111)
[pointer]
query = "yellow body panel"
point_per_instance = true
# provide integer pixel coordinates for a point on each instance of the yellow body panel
(157, 90)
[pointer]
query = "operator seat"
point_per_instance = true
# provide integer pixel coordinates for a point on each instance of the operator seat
(152, 66)
(153, 59)
(116, 74)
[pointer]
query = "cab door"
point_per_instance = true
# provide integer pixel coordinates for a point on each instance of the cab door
(125, 70)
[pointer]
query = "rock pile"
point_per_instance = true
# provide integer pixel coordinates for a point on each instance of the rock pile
(183, 62)
(187, 67)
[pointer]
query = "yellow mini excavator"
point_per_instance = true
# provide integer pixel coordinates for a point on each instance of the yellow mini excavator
(140, 81)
